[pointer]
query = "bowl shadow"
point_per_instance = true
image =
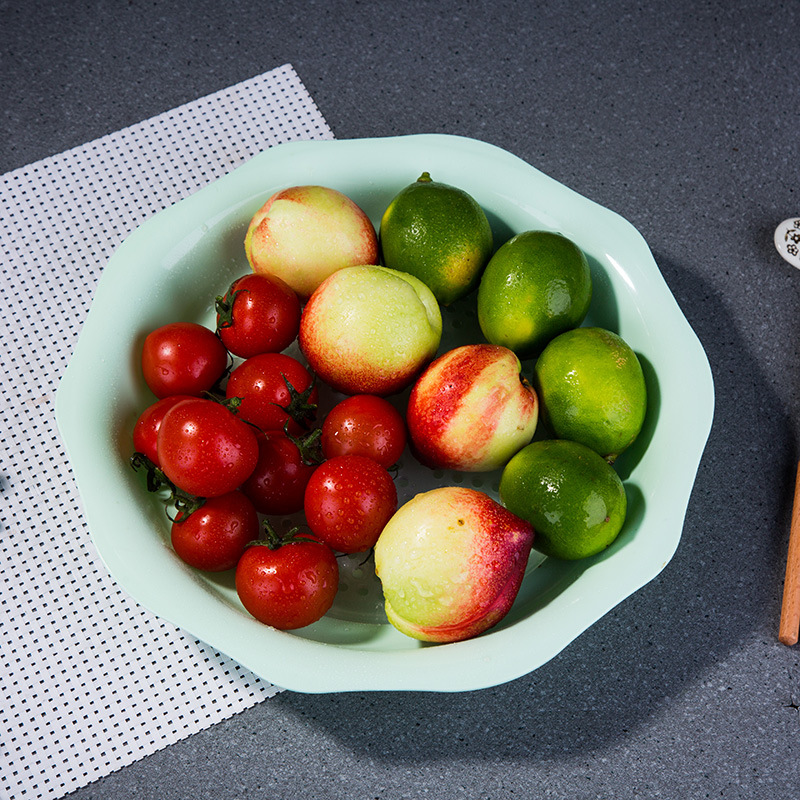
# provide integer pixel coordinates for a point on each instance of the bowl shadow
(657, 643)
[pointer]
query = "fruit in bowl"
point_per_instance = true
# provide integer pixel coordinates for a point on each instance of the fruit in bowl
(592, 389)
(537, 285)
(440, 234)
(370, 330)
(573, 498)
(302, 234)
(451, 562)
(471, 409)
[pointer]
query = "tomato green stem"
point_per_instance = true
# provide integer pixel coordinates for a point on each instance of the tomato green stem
(308, 444)
(231, 403)
(224, 308)
(299, 408)
(275, 540)
(185, 503)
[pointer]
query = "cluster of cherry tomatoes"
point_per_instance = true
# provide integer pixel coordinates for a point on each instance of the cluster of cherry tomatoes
(233, 438)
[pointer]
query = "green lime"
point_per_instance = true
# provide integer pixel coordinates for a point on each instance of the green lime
(535, 286)
(439, 234)
(573, 498)
(592, 390)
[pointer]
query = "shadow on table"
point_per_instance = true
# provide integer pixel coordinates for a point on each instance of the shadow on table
(723, 583)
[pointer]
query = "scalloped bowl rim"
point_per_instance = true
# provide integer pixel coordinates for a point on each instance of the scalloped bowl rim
(650, 320)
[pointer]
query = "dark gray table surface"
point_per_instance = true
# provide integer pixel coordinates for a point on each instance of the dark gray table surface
(683, 118)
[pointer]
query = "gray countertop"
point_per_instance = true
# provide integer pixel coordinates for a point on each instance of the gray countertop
(681, 117)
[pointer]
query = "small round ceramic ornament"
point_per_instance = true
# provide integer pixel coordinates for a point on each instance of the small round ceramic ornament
(787, 240)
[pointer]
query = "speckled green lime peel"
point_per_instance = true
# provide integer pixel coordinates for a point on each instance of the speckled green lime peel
(172, 266)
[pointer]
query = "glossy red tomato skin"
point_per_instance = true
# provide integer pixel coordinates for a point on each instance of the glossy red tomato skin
(348, 501)
(259, 382)
(365, 425)
(289, 587)
(145, 431)
(205, 449)
(265, 316)
(277, 485)
(213, 537)
(182, 358)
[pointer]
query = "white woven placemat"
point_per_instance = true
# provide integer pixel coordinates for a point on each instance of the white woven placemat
(90, 680)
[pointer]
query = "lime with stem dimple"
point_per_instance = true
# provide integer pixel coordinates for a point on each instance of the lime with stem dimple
(438, 233)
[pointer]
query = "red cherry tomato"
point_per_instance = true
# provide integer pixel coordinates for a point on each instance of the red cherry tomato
(364, 425)
(145, 431)
(277, 485)
(348, 501)
(213, 537)
(182, 358)
(289, 586)
(204, 449)
(260, 382)
(258, 314)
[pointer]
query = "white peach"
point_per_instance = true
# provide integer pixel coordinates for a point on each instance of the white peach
(451, 562)
(471, 410)
(305, 233)
(370, 330)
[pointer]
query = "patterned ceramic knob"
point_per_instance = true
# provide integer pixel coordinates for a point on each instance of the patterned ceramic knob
(787, 240)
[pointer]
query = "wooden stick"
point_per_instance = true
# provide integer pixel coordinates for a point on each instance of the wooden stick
(790, 609)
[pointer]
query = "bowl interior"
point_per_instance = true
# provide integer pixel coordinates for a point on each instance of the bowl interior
(173, 267)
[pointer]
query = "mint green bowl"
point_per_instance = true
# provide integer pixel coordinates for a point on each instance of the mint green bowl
(174, 265)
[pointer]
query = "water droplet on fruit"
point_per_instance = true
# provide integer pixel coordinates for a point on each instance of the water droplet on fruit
(421, 590)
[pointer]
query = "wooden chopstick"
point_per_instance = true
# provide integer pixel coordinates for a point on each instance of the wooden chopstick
(790, 608)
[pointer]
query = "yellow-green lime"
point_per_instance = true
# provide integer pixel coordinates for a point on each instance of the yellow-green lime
(592, 390)
(537, 285)
(439, 234)
(573, 498)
